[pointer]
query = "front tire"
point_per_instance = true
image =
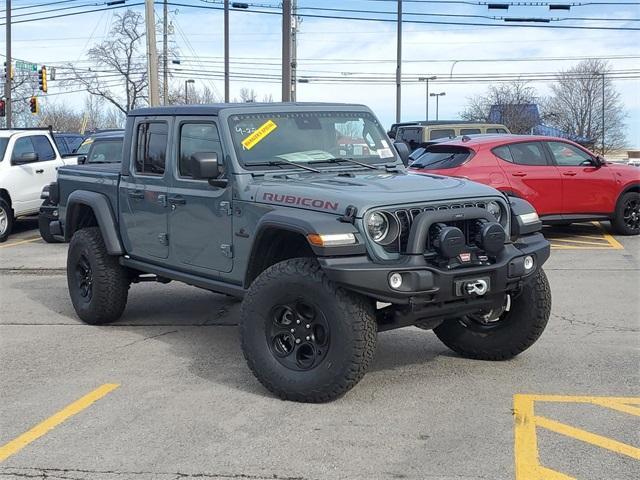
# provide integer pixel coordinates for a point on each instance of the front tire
(6, 220)
(304, 338)
(626, 220)
(511, 334)
(98, 284)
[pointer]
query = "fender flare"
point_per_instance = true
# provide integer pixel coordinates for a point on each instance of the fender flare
(103, 212)
(520, 206)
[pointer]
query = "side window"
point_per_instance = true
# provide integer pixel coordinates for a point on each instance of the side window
(61, 143)
(567, 155)
(469, 131)
(197, 138)
(151, 148)
(530, 154)
(43, 148)
(442, 133)
(504, 153)
(23, 145)
(502, 130)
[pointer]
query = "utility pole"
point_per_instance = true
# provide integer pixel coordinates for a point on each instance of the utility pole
(399, 65)
(165, 54)
(286, 50)
(294, 50)
(226, 51)
(152, 54)
(437, 95)
(603, 113)
(7, 81)
(426, 80)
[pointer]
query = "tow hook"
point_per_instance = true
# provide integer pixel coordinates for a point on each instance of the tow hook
(479, 287)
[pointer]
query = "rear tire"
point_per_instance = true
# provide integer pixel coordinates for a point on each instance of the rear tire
(514, 332)
(626, 220)
(6, 220)
(304, 338)
(98, 284)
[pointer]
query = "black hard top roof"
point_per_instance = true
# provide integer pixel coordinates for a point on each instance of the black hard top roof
(216, 108)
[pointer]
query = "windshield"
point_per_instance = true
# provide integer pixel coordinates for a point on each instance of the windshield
(308, 137)
(109, 151)
(3, 147)
(445, 156)
(84, 147)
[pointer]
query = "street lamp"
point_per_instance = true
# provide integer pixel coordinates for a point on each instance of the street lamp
(437, 95)
(426, 81)
(186, 90)
(238, 5)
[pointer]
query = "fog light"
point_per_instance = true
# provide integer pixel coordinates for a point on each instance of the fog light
(528, 263)
(395, 281)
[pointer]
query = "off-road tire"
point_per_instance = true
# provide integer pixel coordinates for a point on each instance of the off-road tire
(8, 215)
(351, 322)
(110, 281)
(45, 231)
(517, 329)
(618, 222)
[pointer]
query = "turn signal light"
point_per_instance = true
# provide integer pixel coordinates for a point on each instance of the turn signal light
(332, 239)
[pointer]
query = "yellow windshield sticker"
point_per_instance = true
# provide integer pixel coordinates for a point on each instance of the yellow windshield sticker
(259, 134)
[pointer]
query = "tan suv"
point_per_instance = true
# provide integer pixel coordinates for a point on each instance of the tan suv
(416, 136)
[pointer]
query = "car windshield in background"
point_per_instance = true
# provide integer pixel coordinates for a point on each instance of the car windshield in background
(3, 147)
(437, 157)
(84, 147)
(108, 151)
(308, 137)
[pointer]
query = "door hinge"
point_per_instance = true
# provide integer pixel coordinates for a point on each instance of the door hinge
(227, 250)
(163, 238)
(226, 207)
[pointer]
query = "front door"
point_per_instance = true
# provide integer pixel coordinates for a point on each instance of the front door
(199, 214)
(143, 193)
(532, 176)
(586, 187)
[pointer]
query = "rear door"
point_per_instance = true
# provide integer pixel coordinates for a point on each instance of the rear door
(143, 193)
(586, 188)
(199, 214)
(531, 175)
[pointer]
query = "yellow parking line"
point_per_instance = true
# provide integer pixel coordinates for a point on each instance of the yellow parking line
(615, 244)
(50, 423)
(582, 242)
(29, 240)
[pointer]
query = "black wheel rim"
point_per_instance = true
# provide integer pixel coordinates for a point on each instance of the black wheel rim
(298, 335)
(631, 214)
(84, 278)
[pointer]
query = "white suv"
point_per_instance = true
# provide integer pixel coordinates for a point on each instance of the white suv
(29, 160)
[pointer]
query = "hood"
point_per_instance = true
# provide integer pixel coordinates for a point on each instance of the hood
(335, 191)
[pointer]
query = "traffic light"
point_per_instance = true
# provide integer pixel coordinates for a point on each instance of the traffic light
(42, 79)
(33, 105)
(3, 105)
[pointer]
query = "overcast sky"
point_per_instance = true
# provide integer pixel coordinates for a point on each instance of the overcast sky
(344, 48)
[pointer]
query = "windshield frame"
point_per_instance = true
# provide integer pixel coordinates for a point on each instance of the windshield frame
(227, 119)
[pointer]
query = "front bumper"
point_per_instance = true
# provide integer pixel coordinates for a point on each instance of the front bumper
(424, 284)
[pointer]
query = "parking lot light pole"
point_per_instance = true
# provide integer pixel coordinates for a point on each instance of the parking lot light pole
(426, 80)
(437, 95)
(186, 90)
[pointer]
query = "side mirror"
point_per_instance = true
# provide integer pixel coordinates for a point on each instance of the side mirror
(403, 151)
(205, 166)
(82, 159)
(600, 161)
(26, 158)
(391, 135)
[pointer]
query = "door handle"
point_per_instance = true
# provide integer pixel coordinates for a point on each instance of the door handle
(519, 174)
(136, 194)
(40, 170)
(569, 174)
(177, 200)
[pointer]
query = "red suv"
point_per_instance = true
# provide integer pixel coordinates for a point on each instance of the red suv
(564, 181)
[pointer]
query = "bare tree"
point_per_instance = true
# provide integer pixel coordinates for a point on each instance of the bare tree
(575, 105)
(197, 96)
(23, 87)
(119, 71)
(60, 116)
(513, 104)
(248, 95)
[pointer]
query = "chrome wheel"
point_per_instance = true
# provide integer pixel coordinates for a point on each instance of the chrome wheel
(4, 221)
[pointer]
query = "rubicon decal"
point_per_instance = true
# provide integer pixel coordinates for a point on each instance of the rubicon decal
(304, 201)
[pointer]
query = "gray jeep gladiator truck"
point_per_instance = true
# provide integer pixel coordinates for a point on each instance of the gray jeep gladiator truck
(306, 212)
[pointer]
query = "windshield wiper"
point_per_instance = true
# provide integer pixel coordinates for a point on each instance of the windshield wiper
(279, 163)
(345, 159)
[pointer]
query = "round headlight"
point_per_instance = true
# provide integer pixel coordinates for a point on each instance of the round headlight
(495, 210)
(377, 226)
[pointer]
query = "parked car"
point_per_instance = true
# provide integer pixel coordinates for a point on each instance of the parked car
(562, 180)
(98, 148)
(417, 136)
(256, 201)
(67, 143)
(29, 160)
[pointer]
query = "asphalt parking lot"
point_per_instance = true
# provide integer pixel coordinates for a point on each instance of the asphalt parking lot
(165, 394)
